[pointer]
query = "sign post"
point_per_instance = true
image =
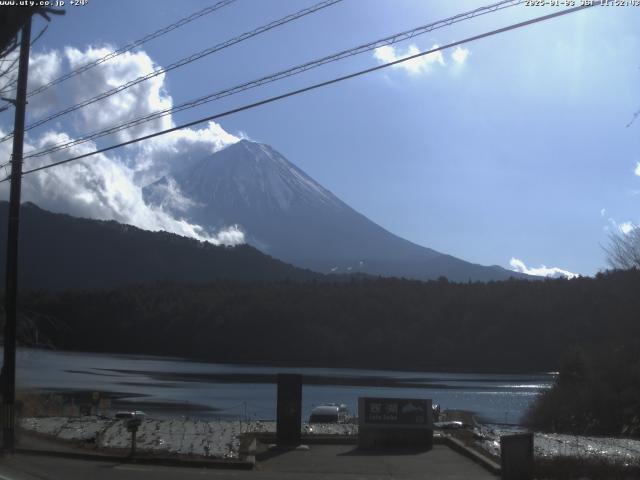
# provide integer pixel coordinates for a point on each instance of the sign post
(132, 426)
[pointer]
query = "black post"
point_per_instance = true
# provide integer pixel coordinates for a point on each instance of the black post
(133, 442)
(516, 454)
(132, 426)
(289, 409)
(11, 282)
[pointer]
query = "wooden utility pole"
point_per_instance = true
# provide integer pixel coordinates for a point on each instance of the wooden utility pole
(11, 282)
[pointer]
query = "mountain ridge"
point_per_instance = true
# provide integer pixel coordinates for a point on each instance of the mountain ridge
(86, 253)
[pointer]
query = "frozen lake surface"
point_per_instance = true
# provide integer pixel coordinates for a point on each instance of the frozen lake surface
(171, 387)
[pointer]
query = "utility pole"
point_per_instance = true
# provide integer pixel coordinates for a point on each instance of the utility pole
(11, 282)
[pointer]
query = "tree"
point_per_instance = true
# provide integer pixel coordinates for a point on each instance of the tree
(623, 251)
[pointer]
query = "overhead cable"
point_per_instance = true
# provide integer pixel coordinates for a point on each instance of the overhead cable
(132, 45)
(309, 88)
(181, 63)
(389, 40)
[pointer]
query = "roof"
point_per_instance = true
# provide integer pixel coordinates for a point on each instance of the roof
(325, 410)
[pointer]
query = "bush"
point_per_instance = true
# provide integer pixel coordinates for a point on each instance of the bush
(596, 392)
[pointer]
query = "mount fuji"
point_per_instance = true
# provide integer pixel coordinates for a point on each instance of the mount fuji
(290, 216)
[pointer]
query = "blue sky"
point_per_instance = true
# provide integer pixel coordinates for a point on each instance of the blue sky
(518, 150)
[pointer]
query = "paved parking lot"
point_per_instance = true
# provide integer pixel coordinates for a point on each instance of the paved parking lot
(317, 462)
(327, 460)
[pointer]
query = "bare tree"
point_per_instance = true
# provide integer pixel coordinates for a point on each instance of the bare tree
(11, 21)
(623, 250)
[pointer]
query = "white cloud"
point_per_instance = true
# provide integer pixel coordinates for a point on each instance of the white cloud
(109, 186)
(43, 67)
(603, 212)
(518, 265)
(244, 136)
(138, 100)
(459, 55)
(102, 187)
(158, 156)
(167, 195)
(637, 170)
(424, 64)
(177, 150)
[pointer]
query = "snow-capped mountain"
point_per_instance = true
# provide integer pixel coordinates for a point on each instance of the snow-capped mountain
(290, 216)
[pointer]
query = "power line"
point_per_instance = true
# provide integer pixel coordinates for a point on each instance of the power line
(182, 62)
(10, 68)
(132, 45)
(311, 87)
(8, 87)
(389, 40)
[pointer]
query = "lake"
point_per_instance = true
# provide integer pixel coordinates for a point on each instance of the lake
(165, 387)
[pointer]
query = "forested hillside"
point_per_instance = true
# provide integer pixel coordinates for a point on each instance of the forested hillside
(60, 252)
(385, 323)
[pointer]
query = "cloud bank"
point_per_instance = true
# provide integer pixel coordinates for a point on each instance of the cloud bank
(518, 265)
(109, 186)
(420, 65)
(460, 54)
(136, 101)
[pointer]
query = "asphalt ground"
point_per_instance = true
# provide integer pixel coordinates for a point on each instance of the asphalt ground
(319, 462)
(325, 461)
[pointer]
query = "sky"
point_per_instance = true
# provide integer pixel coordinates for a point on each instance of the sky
(513, 150)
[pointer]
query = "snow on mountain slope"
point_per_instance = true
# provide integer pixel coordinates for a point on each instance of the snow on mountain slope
(290, 216)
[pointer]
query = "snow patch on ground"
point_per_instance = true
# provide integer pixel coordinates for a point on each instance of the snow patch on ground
(216, 439)
(331, 429)
(549, 445)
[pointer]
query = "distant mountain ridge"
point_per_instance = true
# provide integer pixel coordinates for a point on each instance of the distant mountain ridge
(58, 251)
(288, 215)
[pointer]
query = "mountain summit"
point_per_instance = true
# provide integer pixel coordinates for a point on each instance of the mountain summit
(290, 216)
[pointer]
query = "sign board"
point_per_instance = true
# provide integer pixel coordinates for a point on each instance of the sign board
(289, 409)
(397, 411)
(395, 422)
(516, 454)
(133, 424)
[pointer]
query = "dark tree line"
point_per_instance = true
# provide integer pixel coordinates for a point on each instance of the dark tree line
(499, 326)
(588, 328)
